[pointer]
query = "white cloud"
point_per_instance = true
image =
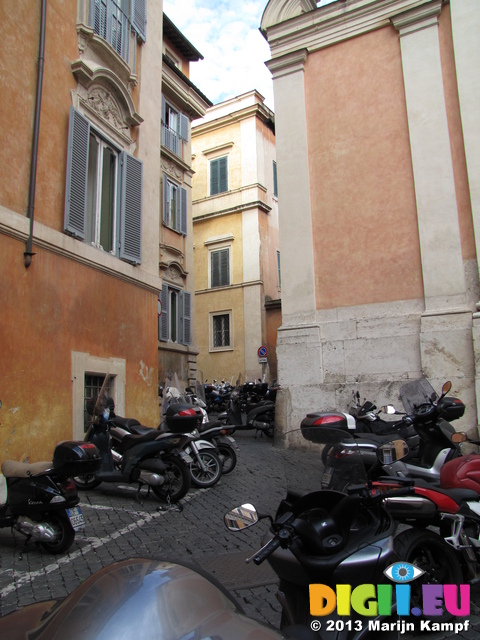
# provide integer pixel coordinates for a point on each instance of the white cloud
(227, 35)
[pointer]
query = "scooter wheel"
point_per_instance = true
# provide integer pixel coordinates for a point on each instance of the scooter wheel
(228, 457)
(177, 480)
(86, 482)
(212, 473)
(64, 533)
(428, 551)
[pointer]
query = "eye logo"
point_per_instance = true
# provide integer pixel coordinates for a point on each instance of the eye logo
(403, 572)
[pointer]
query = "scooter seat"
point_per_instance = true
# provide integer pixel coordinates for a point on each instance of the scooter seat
(132, 439)
(13, 469)
(463, 472)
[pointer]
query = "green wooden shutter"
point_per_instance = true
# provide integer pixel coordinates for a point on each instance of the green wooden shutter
(218, 175)
(77, 170)
(131, 209)
(220, 268)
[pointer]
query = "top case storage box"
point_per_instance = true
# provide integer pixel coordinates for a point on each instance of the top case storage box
(76, 458)
(451, 408)
(183, 418)
(314, 422)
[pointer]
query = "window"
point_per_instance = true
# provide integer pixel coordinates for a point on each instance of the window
(220, 268)
(218, 175)
(275, 184)
(220, 325)
(103, 199)
(175, 126)
(93, 386)
(174, 320)
(174, 206)
(113, 21)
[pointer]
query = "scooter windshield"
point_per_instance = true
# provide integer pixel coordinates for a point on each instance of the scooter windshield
(415, 393)
(140, 598)
(331, 461)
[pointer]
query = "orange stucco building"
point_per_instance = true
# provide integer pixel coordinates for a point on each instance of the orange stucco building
(378, 155)
(81, 214)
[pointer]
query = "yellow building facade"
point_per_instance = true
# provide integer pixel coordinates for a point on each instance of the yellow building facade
(236, 251)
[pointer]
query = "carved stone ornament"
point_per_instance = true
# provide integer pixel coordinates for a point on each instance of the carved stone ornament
(173, 274)
(103, 103)
(172, 170)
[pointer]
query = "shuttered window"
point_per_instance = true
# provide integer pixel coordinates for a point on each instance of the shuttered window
(174, 206)
(220, 268)
(174, 322)
(218, 175)
(113, 21)
(175, 128)
(103, 194)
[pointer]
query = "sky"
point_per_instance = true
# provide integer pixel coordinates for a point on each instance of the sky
(226, 33)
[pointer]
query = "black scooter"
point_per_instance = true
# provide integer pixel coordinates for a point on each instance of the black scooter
(247, 410)
(151, 459)
(42, 500)
(342, 535)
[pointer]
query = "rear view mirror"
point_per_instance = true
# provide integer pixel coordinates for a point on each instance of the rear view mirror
(392, 451)
(389, 408)
(241, 517)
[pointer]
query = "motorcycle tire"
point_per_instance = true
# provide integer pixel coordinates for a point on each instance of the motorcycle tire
(428, 551)
(228, 458)
(64, 533)
(211, 476)
(177, 480)
(86, 482)
(269, 431)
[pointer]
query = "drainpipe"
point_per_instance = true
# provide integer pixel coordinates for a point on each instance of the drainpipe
(28, 254)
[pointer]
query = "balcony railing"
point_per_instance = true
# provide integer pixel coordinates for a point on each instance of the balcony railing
(111, 24)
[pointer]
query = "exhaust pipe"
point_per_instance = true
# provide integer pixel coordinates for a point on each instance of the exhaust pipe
(153, 479)
(38, 531)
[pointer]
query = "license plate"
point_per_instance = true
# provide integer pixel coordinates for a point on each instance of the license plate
(76, 518)
(185, 457)
(327, 476)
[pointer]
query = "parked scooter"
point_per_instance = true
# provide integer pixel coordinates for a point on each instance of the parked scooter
(151, 459)
(337, 536)
(246, 411)
(425, 426)
(42, 500)
(180, 417)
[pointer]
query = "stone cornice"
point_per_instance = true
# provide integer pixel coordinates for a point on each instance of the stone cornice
(419, 18)
(16, 226)
(257, 110)
(334, 23)
(183, 95)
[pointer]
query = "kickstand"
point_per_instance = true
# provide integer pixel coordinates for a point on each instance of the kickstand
(24, 548)
(137, 494)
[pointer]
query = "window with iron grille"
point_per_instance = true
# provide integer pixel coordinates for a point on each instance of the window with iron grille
(221, 330)
(93, 386)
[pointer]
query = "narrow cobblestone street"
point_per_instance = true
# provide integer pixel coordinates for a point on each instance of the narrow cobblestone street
(118, 527)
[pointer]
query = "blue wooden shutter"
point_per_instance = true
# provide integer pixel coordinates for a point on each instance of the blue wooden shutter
(131, 209)
(183, 126)
(163, 319)
(165, 199)
(186, 318)
(138, 17)
(77, 169)
(183, 211)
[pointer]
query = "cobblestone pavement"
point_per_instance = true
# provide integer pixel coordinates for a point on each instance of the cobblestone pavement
(118, 527)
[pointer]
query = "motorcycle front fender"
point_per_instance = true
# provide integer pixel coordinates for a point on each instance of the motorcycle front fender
(204, 444)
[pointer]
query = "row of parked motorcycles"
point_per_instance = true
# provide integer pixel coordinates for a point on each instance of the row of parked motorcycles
(388, 503)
